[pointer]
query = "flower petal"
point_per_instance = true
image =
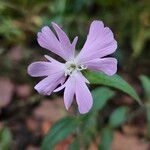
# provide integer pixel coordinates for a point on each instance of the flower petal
(69, 92)
(39, 69)
(71, 86)
(83, 96)
(54, 61)
(64, 42)
(47, 85)
(107, 65)
(74, 44)
(60, 46)
(84, 78)
(60, 87)
(100, 42)
(48, 40)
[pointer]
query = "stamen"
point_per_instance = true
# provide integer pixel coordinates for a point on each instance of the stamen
(82, 67)
(72, 66)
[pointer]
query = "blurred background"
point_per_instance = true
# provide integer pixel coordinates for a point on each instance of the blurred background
(26, 116)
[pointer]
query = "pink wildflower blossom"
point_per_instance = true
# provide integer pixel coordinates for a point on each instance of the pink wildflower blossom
(100, 43)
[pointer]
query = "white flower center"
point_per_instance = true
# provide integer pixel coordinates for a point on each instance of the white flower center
(72, 66)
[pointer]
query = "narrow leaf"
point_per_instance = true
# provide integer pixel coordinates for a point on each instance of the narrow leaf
(100, 97)
(114, 81)
(146, 85)
(59, 131)
(106, 139)
(118, 117)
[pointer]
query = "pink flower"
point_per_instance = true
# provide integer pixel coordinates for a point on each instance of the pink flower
(100, 43)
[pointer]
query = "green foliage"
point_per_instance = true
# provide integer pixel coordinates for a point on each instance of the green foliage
(100, 97)
(118, 117)
(74, 145)
(141, 30)
(146, 85)
(5, 139)
(106, 139)
(88, 128)
(30, 15)
(114, 81)
(9, 30)
(59, 132)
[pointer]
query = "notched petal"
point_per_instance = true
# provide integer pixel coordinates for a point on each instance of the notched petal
(100, 42)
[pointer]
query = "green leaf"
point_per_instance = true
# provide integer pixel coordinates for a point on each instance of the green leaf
(5, 139)
(106, 139)
(118, 117)
(114, 81)
(100, 97)
(59, 131)
(74, 145)
(146, 85)
(88, 128)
